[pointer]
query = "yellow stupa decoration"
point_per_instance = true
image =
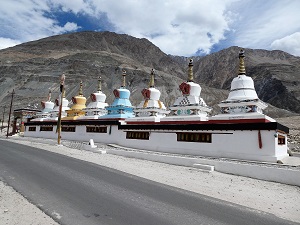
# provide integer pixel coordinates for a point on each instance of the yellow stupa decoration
(78, 104)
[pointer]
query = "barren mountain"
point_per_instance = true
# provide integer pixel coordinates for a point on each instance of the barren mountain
(276, 74)
(34, 67)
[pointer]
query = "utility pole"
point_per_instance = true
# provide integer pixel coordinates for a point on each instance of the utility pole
(62, 92)
(3, 117)
(12, 97)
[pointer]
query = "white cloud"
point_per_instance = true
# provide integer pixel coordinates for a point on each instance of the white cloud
(66, 28)
(260, 23)
(289, 44)
(76, 6)
(25, 20)
(7, 42)
(176, 26)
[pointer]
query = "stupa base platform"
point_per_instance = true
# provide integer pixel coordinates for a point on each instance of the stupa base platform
(242, 118)
(143, 120)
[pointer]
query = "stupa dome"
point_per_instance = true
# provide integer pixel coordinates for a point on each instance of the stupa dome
(65, 103)
(98, 97)
(242, 86)
(79, 100)
(154, 94)
(122, 93)
(151, 98)
(151, 93)
(47, 105)
(190, 88)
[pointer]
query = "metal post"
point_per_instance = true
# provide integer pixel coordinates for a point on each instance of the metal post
(3, 117)
(12, 97)
(59, 118)
(62, 92)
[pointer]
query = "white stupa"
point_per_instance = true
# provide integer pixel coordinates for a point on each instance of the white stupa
(97, 105)
(47, 108)
(242, 102)
(151, 109)
(190, 106)
(55, 111)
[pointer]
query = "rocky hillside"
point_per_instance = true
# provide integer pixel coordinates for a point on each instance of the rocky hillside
(34, 67)
(293, 123)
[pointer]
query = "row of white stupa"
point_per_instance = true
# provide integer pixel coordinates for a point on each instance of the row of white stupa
(242, 103)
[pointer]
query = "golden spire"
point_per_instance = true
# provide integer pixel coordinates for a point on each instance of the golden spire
(242, 70)
(80, 89)
(99, 84)
(190, 71)
(151, 83)
(124, 80)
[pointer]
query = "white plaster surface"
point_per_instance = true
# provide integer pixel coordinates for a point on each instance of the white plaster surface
(246, 90)
(276, 198)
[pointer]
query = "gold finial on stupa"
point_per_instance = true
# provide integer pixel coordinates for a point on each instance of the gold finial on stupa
(190, 71)
(64, 93)
(242, 69)
(124, 76)
(99, 84)
(80, 89)
(151, 83)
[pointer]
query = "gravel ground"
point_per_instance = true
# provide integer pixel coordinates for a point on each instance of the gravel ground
(16, 210)
(279, 199)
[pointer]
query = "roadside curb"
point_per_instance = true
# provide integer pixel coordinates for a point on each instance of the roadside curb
(297, 154)
(268, 172)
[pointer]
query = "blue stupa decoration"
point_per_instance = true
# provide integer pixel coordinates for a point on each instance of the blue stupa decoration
(121, 108)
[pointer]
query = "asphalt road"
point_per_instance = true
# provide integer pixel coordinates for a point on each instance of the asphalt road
(76, 192)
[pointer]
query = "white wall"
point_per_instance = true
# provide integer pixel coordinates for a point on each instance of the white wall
(80, 134)
(280, 150)
(225, 144)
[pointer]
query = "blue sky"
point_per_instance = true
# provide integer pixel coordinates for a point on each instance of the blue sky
(177, 27)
